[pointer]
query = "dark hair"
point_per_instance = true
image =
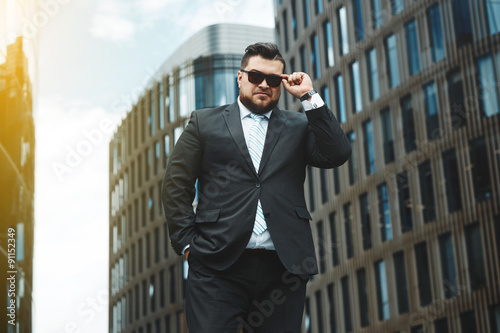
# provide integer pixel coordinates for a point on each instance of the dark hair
(267, 51)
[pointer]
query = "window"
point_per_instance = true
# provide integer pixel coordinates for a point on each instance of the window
(307, 14)
(356, 88)
(468, 321)
(161, 284)
(358, 20)
(363, 298)
(307, 319)
(401, 286)
(431, 111)
(294, 19)
(392, 61)
(387, 138)
(366, 230)
(331, 308)
(448, 270)
(161, 104)
(352, 163)
(382, 293)
(147, 244)
(157, 244)
(148, 162)
(456, 98)
(136, 296)
(409, 135)
(140, 257)
(396, 6)
(405, 203)
(495, 318)
(327, 33)
(369, 148)
(493, 10)
(315, 61)
(318, 6)
(346, 304)
(166, 149)
(372, 74)
(151, 205)
(427, 191)
(412, 48)
(452, 181)
(325, 93)
(384, 212)
(343, 33)
(336, 180)
(488, 84)
(417, 329)
(436, 38)
(172, 284)
(333, 238)
(145, 293)
(321, 247)
(324, 185)
(480, 169)
(462, 21)
(157, 156)
(171, 99)
(441, 325)
(285, 30)
(319, 308)
(376, 13)
(348, 230)
(423, 274)
(166, 240)
(341, 99)
(303, 59)
(310, 182)
(475, 257)
(152, 294)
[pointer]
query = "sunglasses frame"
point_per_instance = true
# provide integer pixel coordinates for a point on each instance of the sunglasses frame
(269, 78)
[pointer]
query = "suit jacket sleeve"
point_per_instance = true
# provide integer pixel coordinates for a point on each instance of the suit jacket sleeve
(178, 190)
(327, 144)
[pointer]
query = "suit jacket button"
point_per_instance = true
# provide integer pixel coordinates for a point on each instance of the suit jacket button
(257, 185)
(267, 215)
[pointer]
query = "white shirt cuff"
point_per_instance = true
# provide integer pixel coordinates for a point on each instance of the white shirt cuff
(316, 102)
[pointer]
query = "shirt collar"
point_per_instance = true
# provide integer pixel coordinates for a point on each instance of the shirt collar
(244, 112)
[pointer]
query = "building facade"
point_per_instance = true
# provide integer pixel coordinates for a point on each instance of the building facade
(146, 278)
(408, 230)
(18, 82)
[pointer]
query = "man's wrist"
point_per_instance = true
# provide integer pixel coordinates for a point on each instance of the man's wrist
(308, 95)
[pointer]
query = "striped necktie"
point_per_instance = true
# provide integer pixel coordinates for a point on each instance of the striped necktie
(255, 147)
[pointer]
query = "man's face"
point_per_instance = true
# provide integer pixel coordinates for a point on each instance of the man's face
(260, 98)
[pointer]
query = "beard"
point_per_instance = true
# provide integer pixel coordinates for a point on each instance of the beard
(247, 101)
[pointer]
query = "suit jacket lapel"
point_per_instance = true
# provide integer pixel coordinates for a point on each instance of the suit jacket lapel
(274, 129)
(233, 122)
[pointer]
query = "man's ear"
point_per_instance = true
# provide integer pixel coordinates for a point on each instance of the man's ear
(240, 76)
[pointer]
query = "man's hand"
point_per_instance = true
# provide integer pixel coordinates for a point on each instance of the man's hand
(186, 253)
(297, 83)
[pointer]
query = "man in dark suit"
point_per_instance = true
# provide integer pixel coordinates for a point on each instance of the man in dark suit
(248, 242)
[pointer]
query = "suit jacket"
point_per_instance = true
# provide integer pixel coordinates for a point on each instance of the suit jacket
(212, 149)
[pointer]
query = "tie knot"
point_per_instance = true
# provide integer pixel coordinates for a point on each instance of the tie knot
(257, 117)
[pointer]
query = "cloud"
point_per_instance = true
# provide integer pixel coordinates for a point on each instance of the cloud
(112, 27)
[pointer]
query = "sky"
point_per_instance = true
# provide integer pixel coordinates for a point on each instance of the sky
(95, 59)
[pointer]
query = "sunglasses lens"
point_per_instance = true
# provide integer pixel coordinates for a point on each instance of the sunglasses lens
(273, 80)
(255, 77)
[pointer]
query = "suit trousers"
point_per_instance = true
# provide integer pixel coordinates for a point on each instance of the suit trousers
(256, 294)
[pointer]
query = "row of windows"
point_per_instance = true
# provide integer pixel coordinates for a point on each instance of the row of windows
(426, 290)
(139, 256)
(150, 295)
(375, 209)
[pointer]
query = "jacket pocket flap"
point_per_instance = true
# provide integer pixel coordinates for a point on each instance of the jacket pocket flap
(303, 213)
(207, 216)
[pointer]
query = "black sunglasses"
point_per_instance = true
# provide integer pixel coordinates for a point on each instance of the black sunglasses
(257, 77)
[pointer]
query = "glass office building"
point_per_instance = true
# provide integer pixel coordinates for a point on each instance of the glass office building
(18, 82)
(146, 278)
(408, 231)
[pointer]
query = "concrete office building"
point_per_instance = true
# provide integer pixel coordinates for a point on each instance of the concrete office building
(18, 82)
(146, 277)
(408, 231)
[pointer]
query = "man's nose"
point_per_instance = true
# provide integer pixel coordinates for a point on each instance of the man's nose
(264, 84)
